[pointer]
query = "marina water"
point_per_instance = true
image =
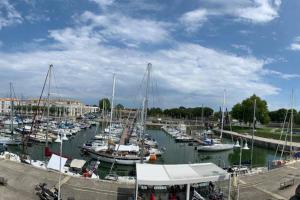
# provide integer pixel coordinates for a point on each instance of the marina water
(175, 153)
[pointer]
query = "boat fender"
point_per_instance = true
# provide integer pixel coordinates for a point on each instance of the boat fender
(86, 174)
(153, 157)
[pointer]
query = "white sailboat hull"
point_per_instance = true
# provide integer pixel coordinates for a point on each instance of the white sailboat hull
(9, 141)
(4, 140)
(216, 147)
(117, 160)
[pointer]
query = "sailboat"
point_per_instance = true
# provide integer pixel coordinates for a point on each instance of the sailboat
(10, 139)
(111, 153)
(287, 129)
(217, 146)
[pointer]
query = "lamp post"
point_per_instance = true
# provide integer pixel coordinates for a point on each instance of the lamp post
(60, 139)
(245, 147)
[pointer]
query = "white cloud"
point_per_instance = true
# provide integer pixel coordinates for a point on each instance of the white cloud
(201, 71)
(259, 11)
(36, 18)
(85, 57)
(280, 74)
(253, 11)
(295, 45)
(103, 3)
(127, 29)
(8, 14)
(242, 47)
(194, 19)
(186, 72)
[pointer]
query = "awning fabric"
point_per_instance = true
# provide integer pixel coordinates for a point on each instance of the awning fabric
(76, 163)
(180, 174)
(54, 162)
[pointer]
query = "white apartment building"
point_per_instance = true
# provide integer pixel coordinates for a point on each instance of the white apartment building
(5, 104)
(73, 108)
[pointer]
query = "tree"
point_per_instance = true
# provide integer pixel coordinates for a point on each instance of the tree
(189, 113)
(197, 112)
(104, 104)
(156, 112)
(119, 107)
(217, 116)
(244, 111)
(296, 117)
(237, 112)
(278, 115)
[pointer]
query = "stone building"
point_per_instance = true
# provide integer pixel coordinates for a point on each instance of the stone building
(73, 108)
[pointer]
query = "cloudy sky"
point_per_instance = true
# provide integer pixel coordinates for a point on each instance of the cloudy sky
(197, 49)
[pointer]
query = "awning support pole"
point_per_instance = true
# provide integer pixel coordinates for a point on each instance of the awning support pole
(229, 188)
(136, 190)
(188, 192)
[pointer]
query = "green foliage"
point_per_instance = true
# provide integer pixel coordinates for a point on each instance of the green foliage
(297, 117)
(237, 112)
(278, 115)
(244, 111)
(104, 104)
(155, 112)
(119, 107)
(190, 113)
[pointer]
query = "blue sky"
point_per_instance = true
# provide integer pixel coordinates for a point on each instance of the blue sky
(197, 49)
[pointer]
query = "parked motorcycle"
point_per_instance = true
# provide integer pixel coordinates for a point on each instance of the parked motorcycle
(45, 193)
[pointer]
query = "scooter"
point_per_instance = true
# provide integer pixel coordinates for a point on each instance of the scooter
(46, 194)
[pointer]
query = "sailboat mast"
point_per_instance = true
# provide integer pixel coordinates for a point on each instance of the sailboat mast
(147, 90)
(292, 118)
(103, 115)
(202, 116)
(11, 108)
(48, 103)
(253, 130)
(222, 118)
(112, 105)
(145, 108)
(142, 131)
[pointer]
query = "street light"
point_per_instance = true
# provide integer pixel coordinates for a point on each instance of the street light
(245, 147)
(60, 140)
(64, 137)
(237, 144)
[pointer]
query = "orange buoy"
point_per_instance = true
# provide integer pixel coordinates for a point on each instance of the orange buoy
(153, 157)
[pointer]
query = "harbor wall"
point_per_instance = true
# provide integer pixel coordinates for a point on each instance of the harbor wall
(259, 143)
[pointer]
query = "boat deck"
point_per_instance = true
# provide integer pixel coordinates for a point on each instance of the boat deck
(124, 136)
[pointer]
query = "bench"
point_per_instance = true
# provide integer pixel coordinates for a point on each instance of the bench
(286, 182)
(3, 181)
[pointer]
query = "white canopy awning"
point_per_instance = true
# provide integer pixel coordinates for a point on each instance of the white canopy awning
(76, 163)
(151, 174)
(54, 162)
(129, 148)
